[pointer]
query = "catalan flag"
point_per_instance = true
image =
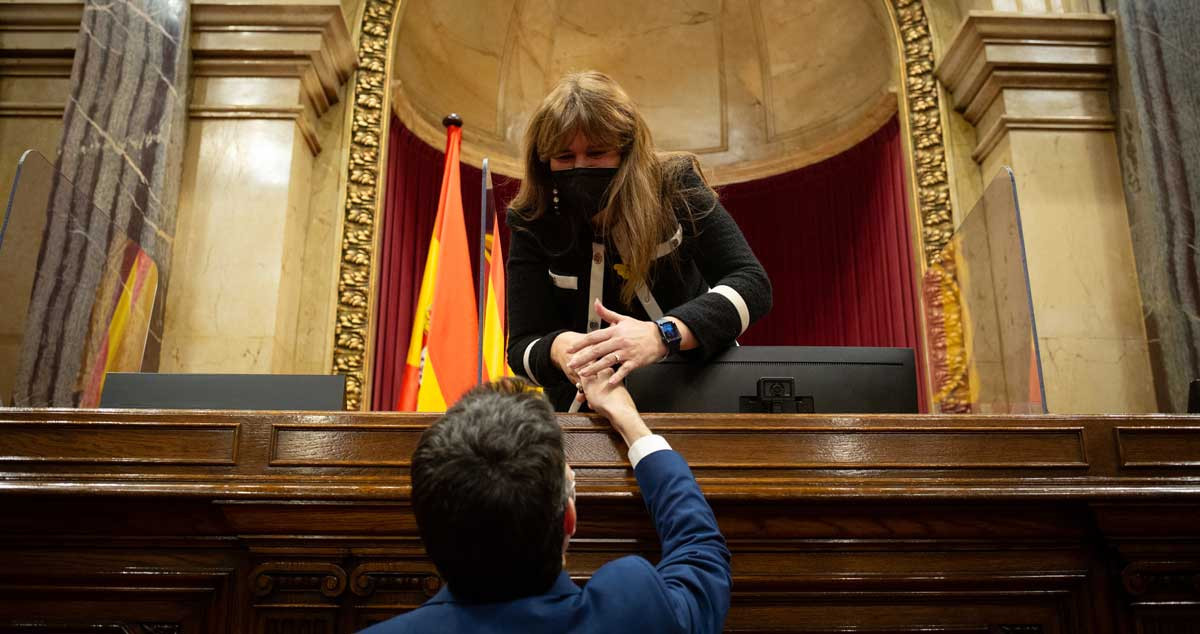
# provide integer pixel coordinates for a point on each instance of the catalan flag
(495, 331)
(443, 356)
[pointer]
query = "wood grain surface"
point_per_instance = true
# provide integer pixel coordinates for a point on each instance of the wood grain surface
(285, 522)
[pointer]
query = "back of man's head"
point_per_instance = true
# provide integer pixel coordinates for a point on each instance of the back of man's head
(489, 493)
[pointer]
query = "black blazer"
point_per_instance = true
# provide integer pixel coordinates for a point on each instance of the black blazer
(709, 280)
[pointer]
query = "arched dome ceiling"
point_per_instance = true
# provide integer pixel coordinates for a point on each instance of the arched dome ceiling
(755, 87)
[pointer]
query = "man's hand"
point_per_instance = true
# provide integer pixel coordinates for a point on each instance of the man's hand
(613, 402)
(626, 345)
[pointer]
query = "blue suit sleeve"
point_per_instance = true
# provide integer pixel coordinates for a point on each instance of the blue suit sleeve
(695, 561)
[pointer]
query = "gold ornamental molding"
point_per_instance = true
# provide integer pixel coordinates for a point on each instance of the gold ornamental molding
(931, 185)
(927, 145)
(362, 204)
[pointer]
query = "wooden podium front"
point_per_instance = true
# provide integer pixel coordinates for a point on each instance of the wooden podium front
(163, 522)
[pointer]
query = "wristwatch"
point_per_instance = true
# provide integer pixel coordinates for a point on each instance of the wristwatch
(670, 334)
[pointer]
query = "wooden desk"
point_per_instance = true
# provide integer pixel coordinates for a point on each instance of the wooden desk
(188, 522)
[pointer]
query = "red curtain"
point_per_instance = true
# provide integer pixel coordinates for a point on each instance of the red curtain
(835, 238)
(414, 181)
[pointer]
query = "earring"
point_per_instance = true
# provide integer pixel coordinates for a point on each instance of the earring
(555, 190)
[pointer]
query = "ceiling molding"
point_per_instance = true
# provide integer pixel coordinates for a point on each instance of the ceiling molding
(307, 39)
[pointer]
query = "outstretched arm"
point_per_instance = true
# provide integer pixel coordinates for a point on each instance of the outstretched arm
(694, 568)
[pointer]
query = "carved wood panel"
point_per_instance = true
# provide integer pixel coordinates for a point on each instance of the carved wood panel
(1001, 525)
(92, 628)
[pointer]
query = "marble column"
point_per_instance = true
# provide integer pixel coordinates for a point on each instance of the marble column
(1159, 112)
(1037, 90)
(121, 143)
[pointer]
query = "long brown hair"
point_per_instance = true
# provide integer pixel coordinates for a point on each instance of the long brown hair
(647, 189)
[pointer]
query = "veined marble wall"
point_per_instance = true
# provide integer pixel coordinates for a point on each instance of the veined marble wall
(1039, 97)
(256, 264)
(945, 18)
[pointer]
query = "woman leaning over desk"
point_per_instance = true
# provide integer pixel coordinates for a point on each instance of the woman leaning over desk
(607, 231)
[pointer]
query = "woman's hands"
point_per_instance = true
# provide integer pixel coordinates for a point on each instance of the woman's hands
(626, 345)
(560, 353)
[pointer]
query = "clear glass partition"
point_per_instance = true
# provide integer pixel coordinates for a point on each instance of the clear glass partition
(108, 284)
(979, 314)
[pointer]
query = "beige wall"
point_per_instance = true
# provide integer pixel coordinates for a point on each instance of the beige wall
(233, 296)
(254, 268)
(1038, 96)
(319, 264)
(946, 16)
(1081, 270)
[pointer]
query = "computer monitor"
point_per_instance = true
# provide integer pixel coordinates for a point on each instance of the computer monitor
(782, 379)
(149, 390)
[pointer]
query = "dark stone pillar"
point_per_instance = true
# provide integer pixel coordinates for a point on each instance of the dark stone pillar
(122, 146)
(1159, 109)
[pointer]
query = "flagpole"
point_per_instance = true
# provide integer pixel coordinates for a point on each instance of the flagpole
(482, 282)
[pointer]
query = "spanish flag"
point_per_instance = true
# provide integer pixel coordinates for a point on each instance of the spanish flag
(443, 357)
(495, 333)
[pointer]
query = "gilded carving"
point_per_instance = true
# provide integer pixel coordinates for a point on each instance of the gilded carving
(946, 343)
(365, 176)
(361, 207)
(365, 137)
(376, 30)
(354, 298)
(362, 212)
(369, 81)
(351, 341)
(945, 338)
(364, 157)
(358, 257)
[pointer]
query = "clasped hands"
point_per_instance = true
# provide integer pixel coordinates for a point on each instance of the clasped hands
(626, 345)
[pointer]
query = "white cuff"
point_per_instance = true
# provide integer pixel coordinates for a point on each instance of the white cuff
(645, 446)
(525, 359)
(739, 304)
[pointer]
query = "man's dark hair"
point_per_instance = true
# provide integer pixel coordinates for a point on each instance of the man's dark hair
(489, 493)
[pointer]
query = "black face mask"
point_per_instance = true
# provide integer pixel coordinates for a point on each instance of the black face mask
(582, 191)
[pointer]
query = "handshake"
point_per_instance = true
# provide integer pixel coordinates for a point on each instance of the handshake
(613, 402)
